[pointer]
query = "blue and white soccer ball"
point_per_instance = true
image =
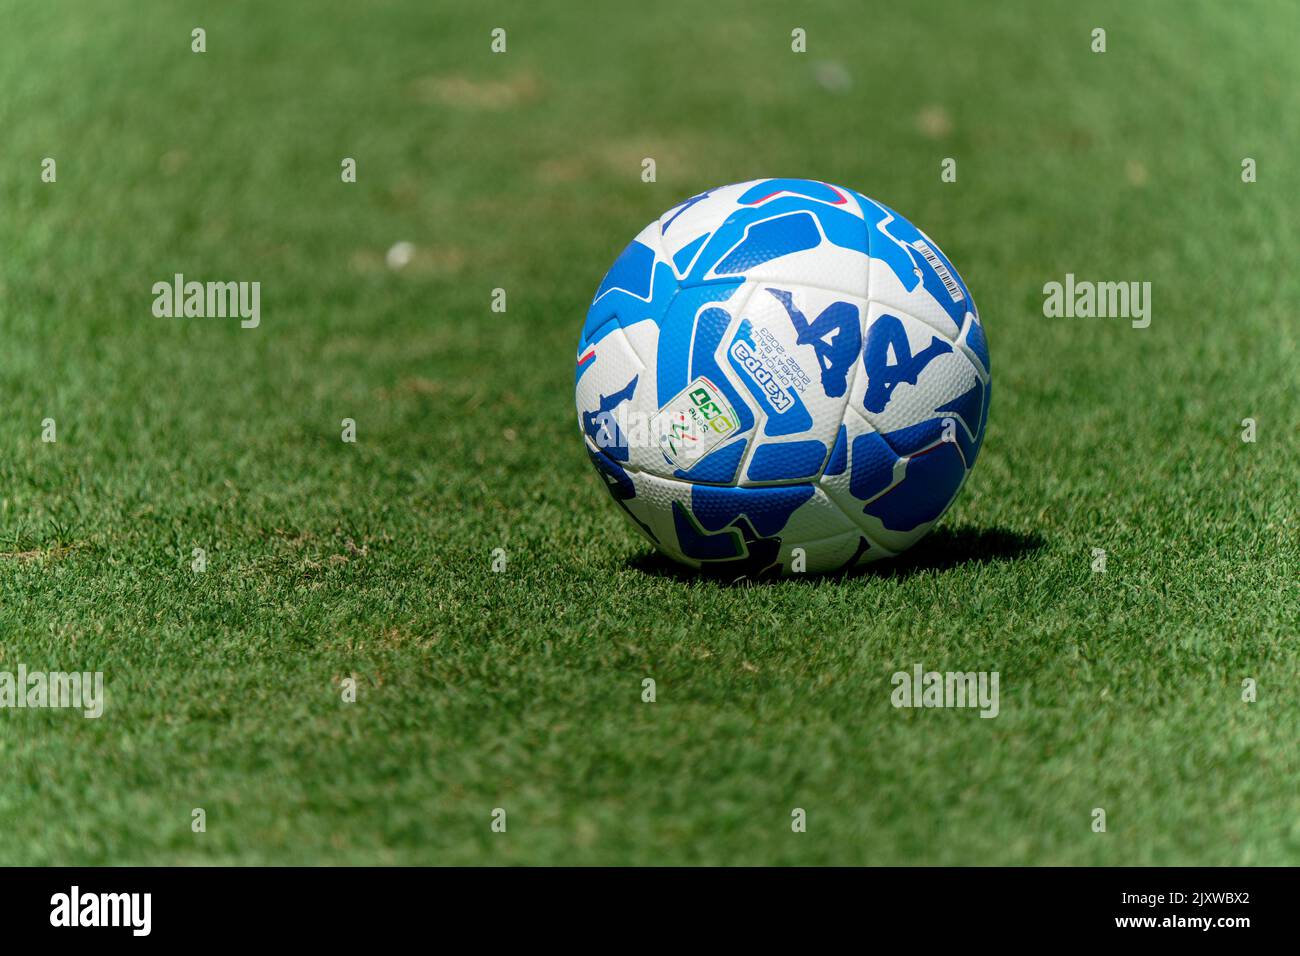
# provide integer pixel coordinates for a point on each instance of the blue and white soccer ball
(782, 375)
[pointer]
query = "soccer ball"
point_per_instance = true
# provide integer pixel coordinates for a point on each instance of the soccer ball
(782, 376)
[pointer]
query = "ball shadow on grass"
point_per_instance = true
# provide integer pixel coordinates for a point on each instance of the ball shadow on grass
(940, 550)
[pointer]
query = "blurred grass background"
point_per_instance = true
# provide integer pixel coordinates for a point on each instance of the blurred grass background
(522, 690)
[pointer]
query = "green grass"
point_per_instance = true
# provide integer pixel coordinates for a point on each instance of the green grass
(522, 689)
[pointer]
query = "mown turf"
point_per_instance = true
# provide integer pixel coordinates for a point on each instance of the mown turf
(522, 689)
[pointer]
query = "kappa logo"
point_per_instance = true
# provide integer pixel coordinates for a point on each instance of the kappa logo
(834, 335)
(761, 374)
